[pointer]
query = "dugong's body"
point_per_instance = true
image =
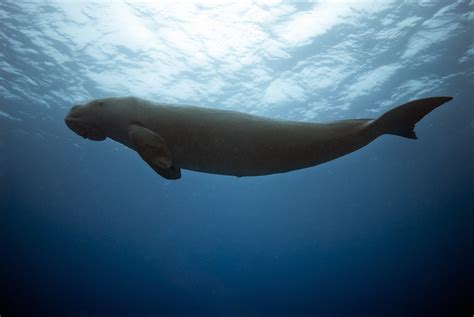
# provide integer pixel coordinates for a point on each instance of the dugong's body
(170, 137)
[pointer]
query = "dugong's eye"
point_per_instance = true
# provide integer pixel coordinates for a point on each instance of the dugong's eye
(101, 103)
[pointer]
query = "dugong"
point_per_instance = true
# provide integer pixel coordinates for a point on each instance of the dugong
(170, 137)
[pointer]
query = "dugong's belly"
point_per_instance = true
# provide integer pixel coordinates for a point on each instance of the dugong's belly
(238, 152)
(239, 145)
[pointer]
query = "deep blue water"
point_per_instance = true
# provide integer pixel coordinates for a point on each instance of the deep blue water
(88, 229)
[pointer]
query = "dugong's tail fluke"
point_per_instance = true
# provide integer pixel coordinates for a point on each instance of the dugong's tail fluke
(402, 119)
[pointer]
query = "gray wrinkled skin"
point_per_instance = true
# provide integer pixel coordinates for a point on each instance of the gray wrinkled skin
(233, 143)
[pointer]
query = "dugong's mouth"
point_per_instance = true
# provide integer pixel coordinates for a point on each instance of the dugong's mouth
(75, 125)
(84, 130)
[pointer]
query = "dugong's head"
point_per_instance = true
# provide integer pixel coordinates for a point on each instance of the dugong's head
(85, 120)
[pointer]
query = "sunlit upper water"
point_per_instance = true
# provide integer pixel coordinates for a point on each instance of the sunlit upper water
(88, 229)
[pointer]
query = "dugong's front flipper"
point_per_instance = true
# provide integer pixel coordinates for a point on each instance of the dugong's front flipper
(153, 149)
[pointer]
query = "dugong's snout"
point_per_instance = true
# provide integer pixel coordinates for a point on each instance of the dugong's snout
(79, 122)
(74, 125)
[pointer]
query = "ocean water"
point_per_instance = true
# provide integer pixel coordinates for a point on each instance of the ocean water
(88, 229)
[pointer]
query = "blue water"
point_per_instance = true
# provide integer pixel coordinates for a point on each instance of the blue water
(88, 229)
